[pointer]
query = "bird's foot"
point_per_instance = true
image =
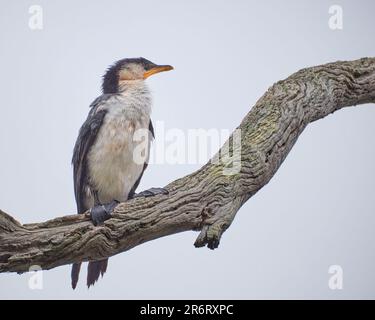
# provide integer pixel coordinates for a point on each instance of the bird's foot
(151, 192)
(102, 212)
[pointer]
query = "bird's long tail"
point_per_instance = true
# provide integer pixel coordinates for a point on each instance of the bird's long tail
(95, 269)
(75, 274)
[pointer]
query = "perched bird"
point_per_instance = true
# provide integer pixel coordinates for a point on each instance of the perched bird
(106, 168)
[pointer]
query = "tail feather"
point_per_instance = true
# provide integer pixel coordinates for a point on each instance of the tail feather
(94, 270)
(76, 267)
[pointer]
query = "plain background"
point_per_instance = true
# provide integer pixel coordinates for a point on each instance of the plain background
(317, 211)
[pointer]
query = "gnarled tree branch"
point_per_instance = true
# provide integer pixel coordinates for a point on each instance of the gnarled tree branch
(206, 200)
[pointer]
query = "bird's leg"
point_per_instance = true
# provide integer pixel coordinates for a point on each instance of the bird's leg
(151, 192)
(101, 212)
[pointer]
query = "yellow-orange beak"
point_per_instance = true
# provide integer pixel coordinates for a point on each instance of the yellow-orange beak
(156, 69)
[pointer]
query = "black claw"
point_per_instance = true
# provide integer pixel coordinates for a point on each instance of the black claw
(213, 244)
(151, 192)
(102, 212)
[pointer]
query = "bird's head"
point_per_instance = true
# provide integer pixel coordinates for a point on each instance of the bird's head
(129, 70)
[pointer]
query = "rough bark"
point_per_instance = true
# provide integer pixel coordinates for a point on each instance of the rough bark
(206, 200)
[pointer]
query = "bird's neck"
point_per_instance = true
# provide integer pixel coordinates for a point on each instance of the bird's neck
(136, 95)
(137, 87)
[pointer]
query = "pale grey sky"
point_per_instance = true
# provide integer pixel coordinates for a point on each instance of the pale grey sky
(317, 211)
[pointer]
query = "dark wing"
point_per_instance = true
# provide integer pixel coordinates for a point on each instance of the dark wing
(86, 138)
(132, 191)
(151, 129)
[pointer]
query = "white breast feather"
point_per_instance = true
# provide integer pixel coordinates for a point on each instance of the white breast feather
(112, 170)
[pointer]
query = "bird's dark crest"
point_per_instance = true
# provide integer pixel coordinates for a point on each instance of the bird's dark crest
(111, 77)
